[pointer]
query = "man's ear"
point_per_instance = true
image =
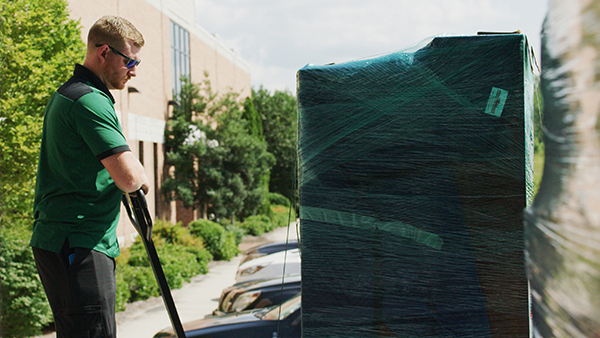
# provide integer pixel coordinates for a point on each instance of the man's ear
(101, 52)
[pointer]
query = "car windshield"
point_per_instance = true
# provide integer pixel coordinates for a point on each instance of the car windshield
(287, 309)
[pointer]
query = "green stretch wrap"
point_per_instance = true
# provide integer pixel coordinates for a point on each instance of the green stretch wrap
(414, 171)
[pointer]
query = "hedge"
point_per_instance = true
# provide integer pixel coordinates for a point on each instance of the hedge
(24, 309)
(182, 257)
(282, 215)
(257, 225)
(278, 199)
(220, 243)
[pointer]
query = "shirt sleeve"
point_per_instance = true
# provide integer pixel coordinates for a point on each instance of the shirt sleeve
(99, 127)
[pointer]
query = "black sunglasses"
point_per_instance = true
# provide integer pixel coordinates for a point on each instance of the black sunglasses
(129, 62)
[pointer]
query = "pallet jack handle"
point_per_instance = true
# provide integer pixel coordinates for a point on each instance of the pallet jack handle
(137, 210)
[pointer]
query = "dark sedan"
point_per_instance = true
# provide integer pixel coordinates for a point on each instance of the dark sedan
(267, 249)
(258, 294)
(283, 321)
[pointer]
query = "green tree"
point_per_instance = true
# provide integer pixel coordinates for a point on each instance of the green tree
(251, 115)
(215, 169)
(279, 116)
(255, 128)
(186, 145)
(40, 45)
(245, 163)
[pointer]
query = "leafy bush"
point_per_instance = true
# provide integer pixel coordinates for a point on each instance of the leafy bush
(237, 231)
(257, 225)
(230, 247)
(175, 234)
(186, 252)
(282, 215)
(278, 199)
(123, 291)
(220, 243)
(182, 257)
(135, 283)
(181, 263)
(24, 309)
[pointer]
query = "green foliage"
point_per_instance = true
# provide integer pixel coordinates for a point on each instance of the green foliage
(185, 252)
(181, 263)
(123, 291)
(257, 225)
(237, 231)
(279, 116)
(39, 46)
(251, 115)
(245, 161)
(282, 216)
(175, 234)
(220, 243)
(182, 257)
(218, 164)
(278, 199)
(185, 145)
(279, 216)
(24, 309)
(135, 283)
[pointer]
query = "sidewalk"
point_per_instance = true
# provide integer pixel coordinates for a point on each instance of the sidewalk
(195, 299)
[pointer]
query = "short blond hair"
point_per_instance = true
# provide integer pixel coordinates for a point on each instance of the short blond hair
(114, 31)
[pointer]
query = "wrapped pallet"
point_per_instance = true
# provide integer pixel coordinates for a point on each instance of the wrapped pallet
(563, 223)
(414, 170)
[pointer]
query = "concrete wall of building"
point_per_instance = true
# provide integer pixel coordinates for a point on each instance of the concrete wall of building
(143, 105)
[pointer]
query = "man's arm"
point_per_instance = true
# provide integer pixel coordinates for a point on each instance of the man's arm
(127, 172)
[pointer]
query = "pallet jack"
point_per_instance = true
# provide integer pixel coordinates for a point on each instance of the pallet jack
(137, 210)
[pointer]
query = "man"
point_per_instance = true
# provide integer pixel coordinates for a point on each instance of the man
(85, 165)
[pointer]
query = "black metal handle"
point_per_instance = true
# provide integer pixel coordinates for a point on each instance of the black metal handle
(137, 210)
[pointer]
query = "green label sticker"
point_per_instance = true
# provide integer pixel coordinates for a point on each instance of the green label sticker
(496, 101)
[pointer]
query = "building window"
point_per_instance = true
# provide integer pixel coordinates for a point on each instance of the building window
(180, 56)
(141, 151)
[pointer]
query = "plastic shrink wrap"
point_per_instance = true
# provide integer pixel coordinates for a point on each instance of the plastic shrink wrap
(563, 223)
(414, 171)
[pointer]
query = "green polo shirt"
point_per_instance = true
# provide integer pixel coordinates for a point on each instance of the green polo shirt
(75, 197)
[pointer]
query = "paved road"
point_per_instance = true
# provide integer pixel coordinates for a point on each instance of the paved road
(195, 299)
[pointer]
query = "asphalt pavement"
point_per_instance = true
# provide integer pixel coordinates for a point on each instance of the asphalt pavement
(195, 299)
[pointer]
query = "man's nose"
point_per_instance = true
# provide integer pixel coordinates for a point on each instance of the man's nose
(132, 71)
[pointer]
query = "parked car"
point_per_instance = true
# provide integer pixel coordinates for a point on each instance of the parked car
(258, 294)
(270, 266)
(267, 249)
(282, 321)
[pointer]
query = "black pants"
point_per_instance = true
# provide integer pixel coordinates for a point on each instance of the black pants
(81, 290)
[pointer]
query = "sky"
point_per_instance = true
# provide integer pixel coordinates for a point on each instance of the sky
(278, 37)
